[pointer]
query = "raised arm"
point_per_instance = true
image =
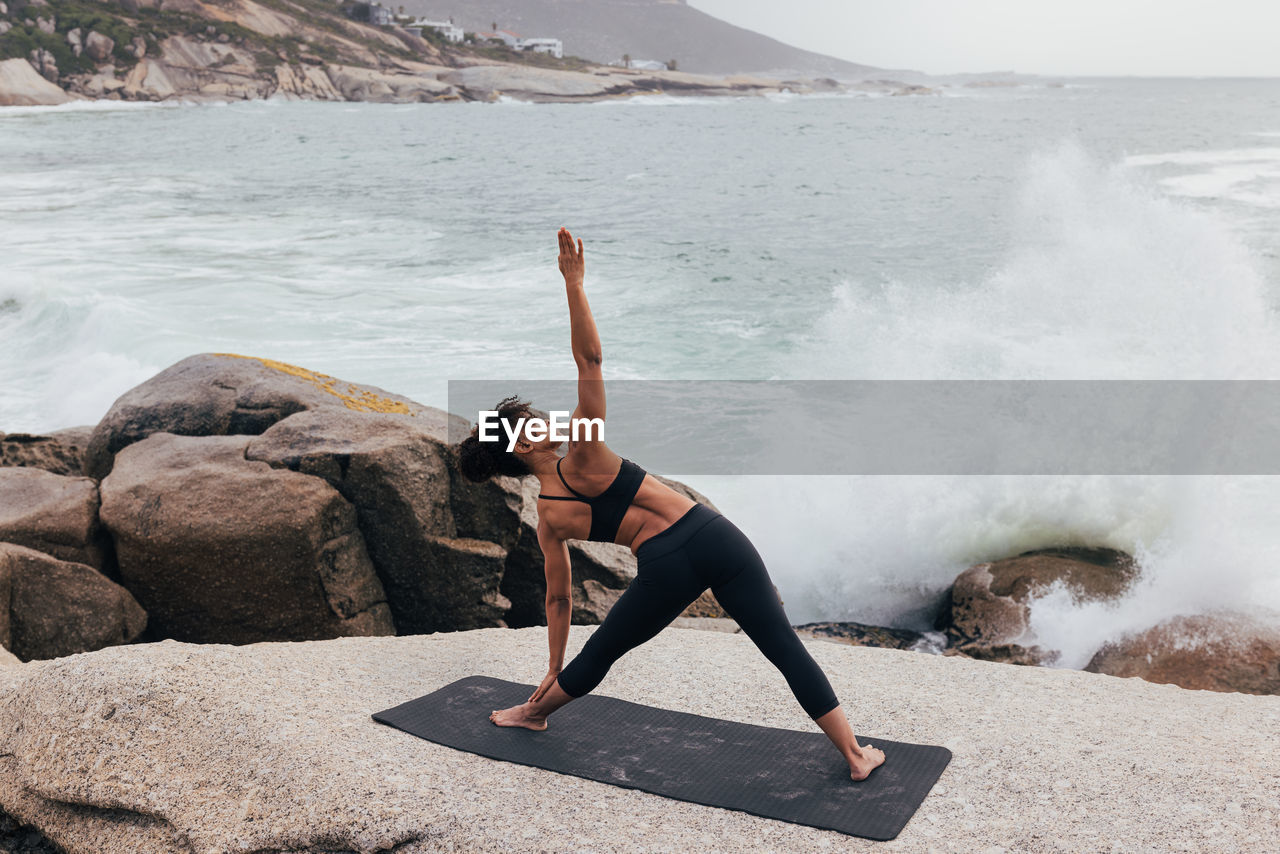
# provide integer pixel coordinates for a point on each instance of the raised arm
(583, 336)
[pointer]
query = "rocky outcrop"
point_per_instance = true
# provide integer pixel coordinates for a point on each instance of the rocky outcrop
(395, 471)
(22, 86)
(262, 500)
(483, 82)
(986, 613)
(60, 452)
(204, 50)
(305, 82)
(218, 394)
(1219, 651)
(51, 608)
(368, 84)
(861, 634)
(221, 549)
(45, 64)
(52, 513)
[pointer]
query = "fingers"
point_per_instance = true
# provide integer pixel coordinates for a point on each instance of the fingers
(579, 247)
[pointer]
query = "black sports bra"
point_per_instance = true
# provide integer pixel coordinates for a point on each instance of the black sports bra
(607, 508)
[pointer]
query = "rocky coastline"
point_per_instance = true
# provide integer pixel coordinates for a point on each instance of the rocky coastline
(58, 51)
(241, 510)
(235, 499)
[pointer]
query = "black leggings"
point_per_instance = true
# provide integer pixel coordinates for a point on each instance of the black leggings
(701, 549)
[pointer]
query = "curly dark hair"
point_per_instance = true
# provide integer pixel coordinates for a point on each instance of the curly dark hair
(480, 461)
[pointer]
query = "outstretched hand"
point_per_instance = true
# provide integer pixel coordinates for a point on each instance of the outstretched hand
(571, 264)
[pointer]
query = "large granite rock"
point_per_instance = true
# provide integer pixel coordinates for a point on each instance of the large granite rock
(22, 86)
(986, 613)
(449, 554)
(61, 452)
(196, 749)
(54, 514)
(216, 394)
(1219, 651)
(456, 586)
(222, 549)
(51, 608)
(396, 472)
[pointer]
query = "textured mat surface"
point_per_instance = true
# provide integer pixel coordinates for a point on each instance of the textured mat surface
(776, 773)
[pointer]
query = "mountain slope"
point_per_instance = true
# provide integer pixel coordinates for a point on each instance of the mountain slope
(604, 30)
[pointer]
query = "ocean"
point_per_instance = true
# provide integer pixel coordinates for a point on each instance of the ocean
(1111, 228)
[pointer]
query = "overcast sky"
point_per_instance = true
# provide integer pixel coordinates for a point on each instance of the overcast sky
(1147, 37)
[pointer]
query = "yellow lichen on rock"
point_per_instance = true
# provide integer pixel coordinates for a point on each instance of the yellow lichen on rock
(362, 400)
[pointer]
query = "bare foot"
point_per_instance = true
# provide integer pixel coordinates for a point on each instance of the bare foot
(861, 765)
(518, 716)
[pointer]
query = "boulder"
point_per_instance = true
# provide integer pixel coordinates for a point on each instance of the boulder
(985, 614)
(455, 586)
(1218, 651)
(48, 26)
(216, 394)
(52, 513)
(98, 46)
(222, 549)
(61, 452)
(51, 608)
(22, 86)
(8, 659)
(395, 471)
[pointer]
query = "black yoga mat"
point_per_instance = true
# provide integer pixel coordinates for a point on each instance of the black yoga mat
(776, 773)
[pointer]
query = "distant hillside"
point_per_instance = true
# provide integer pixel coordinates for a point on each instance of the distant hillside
(604, 30)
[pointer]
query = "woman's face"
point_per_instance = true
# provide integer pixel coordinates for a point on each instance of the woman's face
(536, 435)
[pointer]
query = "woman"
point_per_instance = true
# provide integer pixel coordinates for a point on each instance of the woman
(682, 548)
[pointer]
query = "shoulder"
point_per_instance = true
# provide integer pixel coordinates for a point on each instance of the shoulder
(590, 458)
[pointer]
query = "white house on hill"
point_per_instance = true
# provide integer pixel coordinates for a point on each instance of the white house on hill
(516, 42)
(446, 28)
(551, 46)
